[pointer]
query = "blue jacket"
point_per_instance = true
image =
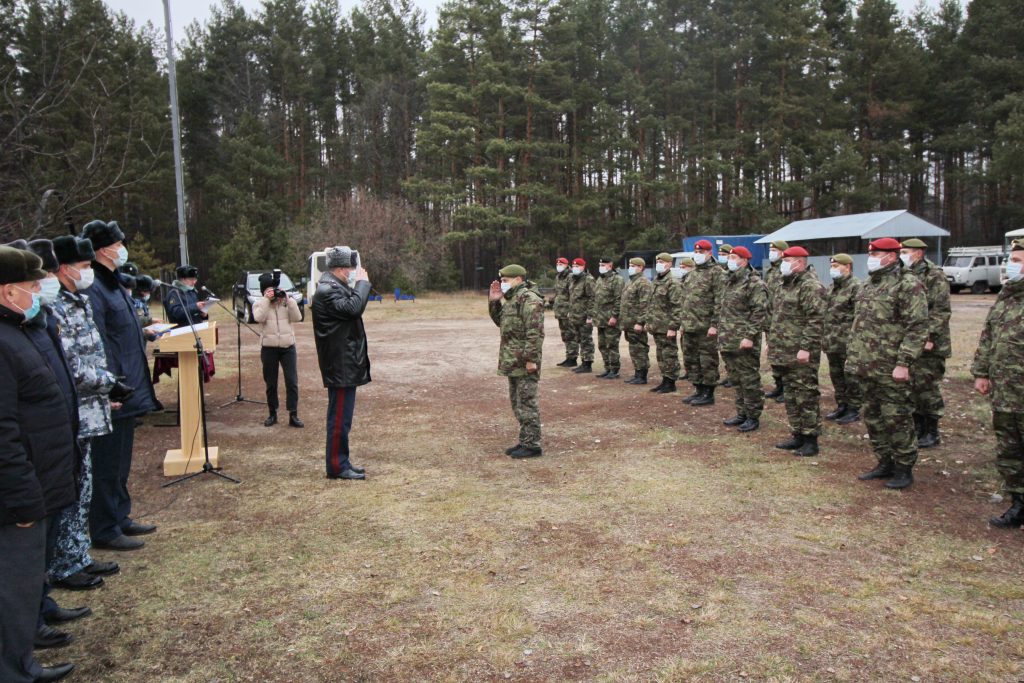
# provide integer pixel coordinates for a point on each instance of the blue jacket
(115, 318)
(177, 300)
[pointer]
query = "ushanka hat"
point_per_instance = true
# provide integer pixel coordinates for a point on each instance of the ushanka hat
(18, 265)
(44, 250)
(71, 249)
(340, 257)
(102, 234)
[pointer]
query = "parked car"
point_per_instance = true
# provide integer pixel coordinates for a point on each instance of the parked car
(247, 290)
(974, 268)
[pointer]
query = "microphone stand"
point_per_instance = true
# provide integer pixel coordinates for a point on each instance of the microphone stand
(208, 467)
(239, 398)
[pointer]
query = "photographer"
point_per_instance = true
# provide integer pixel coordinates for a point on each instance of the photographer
(275, 312)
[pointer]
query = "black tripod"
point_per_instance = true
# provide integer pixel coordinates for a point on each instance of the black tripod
(239, 398)
(208, 467)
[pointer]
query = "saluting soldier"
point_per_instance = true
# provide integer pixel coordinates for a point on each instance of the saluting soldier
(773, 280)
(743, 314)
(999, 373)
(607, 301)
(927, 373)
(663, 322)
(563, 283)
(636, 297)
(842, 297)
(582, 289)
(890, 327)
(700, 313)
(518, 310)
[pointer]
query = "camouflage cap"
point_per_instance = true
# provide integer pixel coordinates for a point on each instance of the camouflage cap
(914, 243)
(845, 259)
(688, 262)
(1016, 245)
(725, 249)
(664, 256)
(781, 245)
(512, 270)
(637, 261)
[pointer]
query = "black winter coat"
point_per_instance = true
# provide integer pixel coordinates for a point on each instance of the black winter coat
(338, 327)
(37, 444)
(115, 318)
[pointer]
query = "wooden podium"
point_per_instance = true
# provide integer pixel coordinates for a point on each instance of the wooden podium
(190, 457)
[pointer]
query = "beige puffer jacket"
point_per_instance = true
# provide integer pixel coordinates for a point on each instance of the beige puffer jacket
(276, 322)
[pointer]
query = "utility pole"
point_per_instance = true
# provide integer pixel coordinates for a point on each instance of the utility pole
(179, 178)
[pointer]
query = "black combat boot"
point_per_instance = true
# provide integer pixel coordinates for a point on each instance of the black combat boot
(584, 367)
(918, 426)
(901, 478)
(657, 389)
(837, 413)
(735, 421)
(641, 377)
(271, 419)
(1012, 518)
(668, 387)
(851, 415)
(707, 398)
(809, 447)
(726, 383)
(930, 434)
(612, 374)
(603, 374)
(698, 389)
(750, 425)
(527, 452)
(792, 443)
(569, 362)
(777, 391)
(883, 470)
(294, 421)
(633, 379)
(511, 449)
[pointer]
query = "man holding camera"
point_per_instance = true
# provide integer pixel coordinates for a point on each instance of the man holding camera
(341, 350)
(275, 312)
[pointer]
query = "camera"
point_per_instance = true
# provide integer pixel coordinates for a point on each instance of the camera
(275, 276)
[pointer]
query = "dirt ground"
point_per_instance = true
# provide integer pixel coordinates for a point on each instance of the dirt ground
(650, 543)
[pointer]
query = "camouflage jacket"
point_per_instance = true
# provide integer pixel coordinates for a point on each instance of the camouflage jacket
(1000, 354)
(87, 359)
(581, 297)
(890, 323)
(607, 298)
(798, 318)
(142, 312)
(563, 283)
(937, 290)
(842, 298)
(703, 289)
(521, 319)
(744, 310)
(666, 298)
(773, 280)
(636, 298)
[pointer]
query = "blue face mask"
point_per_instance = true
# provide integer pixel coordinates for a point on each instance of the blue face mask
(351, 279)
(122, 256)
(33, 310)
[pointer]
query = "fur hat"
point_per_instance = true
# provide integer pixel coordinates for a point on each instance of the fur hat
(182, 272)
(266, 280)
(102, 234)
(18, 244)
(19, 265)
(340, 257)
(71, 249)
(44, 250)
(130, 269)
(144, 283)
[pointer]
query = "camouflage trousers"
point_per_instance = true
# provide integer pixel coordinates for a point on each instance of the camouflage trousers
(639, 349)
(71, 551)
(522, 392)
(583, 333)
(608, 345)
(887, 411)
(926, 384)
(802, 398)
(572, 345)
(744, 368)
(1009, 431)
(700, 353)
(845, 385)
(666, 351)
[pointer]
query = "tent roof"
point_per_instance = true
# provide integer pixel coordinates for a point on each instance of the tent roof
(866, 226)
(1019, 232)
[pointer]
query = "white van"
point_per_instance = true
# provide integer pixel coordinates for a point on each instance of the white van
(316, 265)
(974, 268)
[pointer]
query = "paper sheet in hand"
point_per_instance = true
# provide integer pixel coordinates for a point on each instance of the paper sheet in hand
(185, 329)
(159, 328)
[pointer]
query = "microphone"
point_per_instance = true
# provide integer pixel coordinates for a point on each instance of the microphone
(160, 283)
(207, 290)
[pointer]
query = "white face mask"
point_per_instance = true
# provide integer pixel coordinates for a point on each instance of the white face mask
(835, 273)
(906, 259)
(1013, 271)
(351, 278)
(505, 287)
(774, 255)
(122, 256)
(685, 271)
(786, 268)
(660, 267)
(50, 290)
(700, 259)
(603, 269)
(723, 259)
(677, 273)
(874, 263)
(576, 270)
(560, 268)
(734, 265)
(635, 270)
(86, 276)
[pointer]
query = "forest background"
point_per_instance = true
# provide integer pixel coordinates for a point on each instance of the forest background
(515, 130)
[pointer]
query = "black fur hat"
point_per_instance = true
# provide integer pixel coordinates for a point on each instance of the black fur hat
(143, 283)
(70, 249)
(18, 244)
(102, 234)
(44, 250)
(130, 269)
(186, 271)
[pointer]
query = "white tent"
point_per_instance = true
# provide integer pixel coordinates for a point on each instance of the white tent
(1014, 234)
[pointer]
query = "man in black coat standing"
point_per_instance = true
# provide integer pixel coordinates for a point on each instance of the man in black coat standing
(110, 523)
(37, 461)
(341, 350)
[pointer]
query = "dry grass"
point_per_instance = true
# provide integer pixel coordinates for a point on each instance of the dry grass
(649, 544)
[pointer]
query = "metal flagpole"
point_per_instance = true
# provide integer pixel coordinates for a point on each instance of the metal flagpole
(179, 179)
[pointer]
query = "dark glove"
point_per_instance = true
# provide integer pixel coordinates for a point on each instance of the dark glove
(121, 392)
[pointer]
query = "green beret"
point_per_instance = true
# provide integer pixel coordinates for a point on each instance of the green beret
(637, 261)
(664, 256)
(512, 270)
(845, 259)
(687, 261)
(725, 249)
(1016, 245)
(19, 266)
(781, 245)
(915, 243)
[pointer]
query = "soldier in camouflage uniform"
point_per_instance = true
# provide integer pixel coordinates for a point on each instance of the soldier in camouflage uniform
(563, 283)
(636, 297)
(723, 260)
(698, 313)
(663, 322)
(582, 290)
(723, 257)
(607, 299)
(927, 373)
(743, 314)
(773, 280)
(999, 372)
(890, 327)
(518, 310)
(798, 316)
(842, 296)
(685, 267)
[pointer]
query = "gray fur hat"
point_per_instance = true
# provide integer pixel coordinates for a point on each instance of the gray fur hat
(340, 257)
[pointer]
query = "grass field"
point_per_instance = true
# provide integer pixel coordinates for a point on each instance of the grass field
(650, 543)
